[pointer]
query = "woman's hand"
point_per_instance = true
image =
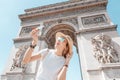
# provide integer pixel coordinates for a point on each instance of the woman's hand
(34, 35)
(68, 58)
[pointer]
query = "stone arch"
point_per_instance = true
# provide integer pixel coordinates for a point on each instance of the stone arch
(61, 27)
(75, 27)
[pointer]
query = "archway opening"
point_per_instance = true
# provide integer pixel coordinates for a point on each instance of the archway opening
(66, 29)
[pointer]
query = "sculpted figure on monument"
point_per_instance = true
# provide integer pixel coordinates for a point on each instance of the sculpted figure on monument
(104, 51)
(18, 58)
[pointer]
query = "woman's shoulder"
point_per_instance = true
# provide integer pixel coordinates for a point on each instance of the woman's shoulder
(46, 49)
(51, 49)
(43, 50)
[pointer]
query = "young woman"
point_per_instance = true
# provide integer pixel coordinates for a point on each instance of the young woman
(54, 62)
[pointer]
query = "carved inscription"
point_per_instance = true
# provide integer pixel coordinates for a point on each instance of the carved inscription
(26, 30)
(94, 19)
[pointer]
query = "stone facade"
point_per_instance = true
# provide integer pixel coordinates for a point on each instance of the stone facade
(91, 29)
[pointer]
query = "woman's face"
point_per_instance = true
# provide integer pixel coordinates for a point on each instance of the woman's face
(60, 43)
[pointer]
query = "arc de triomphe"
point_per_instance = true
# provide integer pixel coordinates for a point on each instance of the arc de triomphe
(89, 25)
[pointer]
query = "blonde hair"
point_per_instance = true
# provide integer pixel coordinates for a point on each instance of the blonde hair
(66, 51)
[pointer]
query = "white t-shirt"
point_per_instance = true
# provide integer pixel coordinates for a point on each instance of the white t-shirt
(50, 65)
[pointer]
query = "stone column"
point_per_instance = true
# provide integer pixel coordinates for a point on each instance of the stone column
(99, 47)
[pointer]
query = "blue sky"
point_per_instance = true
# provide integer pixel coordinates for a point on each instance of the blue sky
(10, 23)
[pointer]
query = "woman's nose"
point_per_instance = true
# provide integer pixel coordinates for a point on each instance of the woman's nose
(58, 42)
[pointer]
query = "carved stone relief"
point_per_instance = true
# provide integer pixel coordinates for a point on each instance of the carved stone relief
(96, 19)
(73, 20)
(103, 49)
(18, 58)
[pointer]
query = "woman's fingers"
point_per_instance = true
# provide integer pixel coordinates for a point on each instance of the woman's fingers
(34, 34)
(34, 31)
(69, 56)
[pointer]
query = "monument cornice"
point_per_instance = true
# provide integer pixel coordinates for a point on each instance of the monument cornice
(96, 29)
(45, 10)
(67, 3)
(106, 66)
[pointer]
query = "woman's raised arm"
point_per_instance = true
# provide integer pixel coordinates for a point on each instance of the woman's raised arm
(28, 54)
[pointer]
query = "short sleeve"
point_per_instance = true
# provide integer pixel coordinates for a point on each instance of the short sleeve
(42, 52)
